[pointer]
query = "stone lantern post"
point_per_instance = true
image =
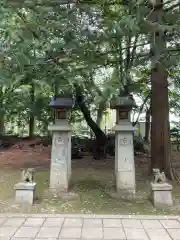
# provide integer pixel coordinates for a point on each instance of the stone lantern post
(60, 170)
(124, 148)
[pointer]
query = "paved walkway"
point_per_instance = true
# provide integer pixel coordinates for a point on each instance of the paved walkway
(64, 227)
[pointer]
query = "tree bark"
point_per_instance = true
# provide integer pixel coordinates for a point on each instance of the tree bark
(2, 127)
(101, 139)
(147, 125)
(160, 147)
(31, 114)
(100, 111)
(56, 91)
(56, 88)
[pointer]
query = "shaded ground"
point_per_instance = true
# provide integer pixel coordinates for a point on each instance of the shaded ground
(91, 180)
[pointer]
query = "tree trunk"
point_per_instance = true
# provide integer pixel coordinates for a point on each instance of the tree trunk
(56, 91)
(100, 111)
(160, 147)
(31, 115)
(19, 124)
(147, 125)
(101, 139)
(56, 88)
(2, 128)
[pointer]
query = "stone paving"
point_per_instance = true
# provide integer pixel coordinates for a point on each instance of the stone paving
(88, 227)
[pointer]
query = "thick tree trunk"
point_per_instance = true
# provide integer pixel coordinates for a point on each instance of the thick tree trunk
(160, 148)
(160, 119)
(31, 115)
(101, 139)
(147, 125)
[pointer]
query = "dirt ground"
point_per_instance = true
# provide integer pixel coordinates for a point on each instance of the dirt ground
(92, 181)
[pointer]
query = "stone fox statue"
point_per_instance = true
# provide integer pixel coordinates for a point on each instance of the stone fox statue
(158, 176)
(28, 175)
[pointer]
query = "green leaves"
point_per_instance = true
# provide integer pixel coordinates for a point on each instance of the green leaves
(61, 44)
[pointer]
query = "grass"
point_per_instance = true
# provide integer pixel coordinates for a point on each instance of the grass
(93, 187)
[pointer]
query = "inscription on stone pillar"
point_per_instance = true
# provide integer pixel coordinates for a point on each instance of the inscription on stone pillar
(59, 141)
(59, 150)
(125, 142)
(124, 170)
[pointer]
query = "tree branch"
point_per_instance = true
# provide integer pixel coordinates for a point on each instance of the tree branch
(21, 16)
(133, 52)
(141, 108)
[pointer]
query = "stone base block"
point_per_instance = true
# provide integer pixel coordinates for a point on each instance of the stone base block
(58, 191)
(127, 191)
(122, 195)
(161, 194)
(25, 193)
(125, 182)
(61, 195)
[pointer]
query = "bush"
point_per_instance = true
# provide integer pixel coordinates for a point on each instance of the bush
(138, 144)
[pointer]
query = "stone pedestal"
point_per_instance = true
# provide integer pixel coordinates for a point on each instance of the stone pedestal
(60, 171)
(161, 194)
(25, 193)
(124, 159)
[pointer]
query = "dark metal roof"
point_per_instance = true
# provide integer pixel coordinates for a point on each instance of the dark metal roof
(62, 102)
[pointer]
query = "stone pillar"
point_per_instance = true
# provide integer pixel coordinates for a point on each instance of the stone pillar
(124, 148)
(69, 155)
(60, 170)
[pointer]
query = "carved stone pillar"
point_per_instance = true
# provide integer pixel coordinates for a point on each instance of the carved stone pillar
(124, 147)
(60, 172)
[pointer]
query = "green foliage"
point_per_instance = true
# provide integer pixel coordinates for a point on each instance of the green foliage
(103, 46)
